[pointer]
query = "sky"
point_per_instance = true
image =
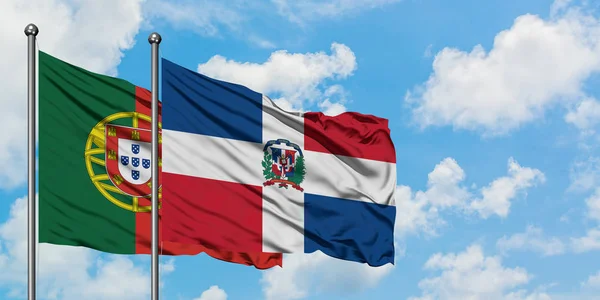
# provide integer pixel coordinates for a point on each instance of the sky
(494, 111)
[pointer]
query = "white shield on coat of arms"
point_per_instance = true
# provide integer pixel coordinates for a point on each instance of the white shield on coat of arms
(129, 159)
(134, 161)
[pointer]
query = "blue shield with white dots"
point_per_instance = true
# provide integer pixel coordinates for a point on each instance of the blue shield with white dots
(135, 148)
(124, 160)
(135, 161)
(146, 163)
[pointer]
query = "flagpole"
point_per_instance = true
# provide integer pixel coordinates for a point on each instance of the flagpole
(154, 39)
(31, 32)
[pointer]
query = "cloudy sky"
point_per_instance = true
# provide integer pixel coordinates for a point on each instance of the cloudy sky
(493, 107)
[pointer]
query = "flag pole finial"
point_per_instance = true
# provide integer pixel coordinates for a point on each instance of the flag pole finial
(31, 29)
(154, 38)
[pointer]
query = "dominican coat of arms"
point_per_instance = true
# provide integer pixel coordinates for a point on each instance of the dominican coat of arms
(283, 164)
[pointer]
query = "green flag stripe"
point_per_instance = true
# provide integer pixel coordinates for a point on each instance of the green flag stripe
(71, 209)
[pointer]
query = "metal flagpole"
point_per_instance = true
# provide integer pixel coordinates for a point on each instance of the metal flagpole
(31, 32)
(154, 40)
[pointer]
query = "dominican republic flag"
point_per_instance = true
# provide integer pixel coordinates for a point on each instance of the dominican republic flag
(241, 174)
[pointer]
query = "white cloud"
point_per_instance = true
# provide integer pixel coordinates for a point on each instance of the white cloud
(106, 283)
(261, 42)
(419, 212)
(472, 275)
(335, 98)
(331, 109)
(414, 214)
(524, 295)
(213, 293)
(593, 205)
(292, 79)
(167, 267)
(592, 282)
(532, 239)
(559, 6)
(585, 174)
(302, 11)
(586, 115)
(443, 184)
(304, 274)
(496, 197)
(66, 272)
(589, 242)
(565, 217)
(428, 51)
(202, 16)
(496, 92)
(71, 30)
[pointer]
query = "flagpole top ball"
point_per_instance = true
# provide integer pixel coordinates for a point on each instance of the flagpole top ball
(154, 38)
(31, 29)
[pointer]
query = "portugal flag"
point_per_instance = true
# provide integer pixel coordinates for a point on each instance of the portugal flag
(94, 166)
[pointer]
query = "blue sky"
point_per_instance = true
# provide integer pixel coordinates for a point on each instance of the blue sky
(493, 112)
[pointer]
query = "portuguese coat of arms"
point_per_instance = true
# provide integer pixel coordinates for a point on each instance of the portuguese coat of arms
(283, 164)
(128, 159)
